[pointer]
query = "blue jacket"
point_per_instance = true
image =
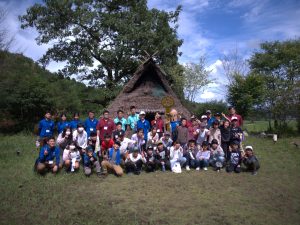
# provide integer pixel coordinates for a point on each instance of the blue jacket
(118, 156)
(46, 128)
(52, 153)
(145, 126)
(61, 126)
(90, 126)
(86, 159)
(74, 124)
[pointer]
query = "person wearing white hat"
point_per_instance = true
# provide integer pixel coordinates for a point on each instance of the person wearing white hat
(144, 124)
(250, 160)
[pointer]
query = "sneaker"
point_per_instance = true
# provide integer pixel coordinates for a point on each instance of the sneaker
(254, 173)
(198, 168)
(187, 168)
(205, 168)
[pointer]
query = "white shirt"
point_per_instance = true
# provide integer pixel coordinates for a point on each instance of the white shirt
(80, 138)
(176, 153)
(125, 143)
(132, 159)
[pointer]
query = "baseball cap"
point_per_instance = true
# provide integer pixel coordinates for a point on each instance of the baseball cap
(214, 141)
(208, 111)
(142, 113)
(249, 147)
(167, 133)
(234, 118)
(203, 117)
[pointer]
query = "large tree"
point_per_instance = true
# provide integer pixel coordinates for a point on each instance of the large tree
(279, 64)
(195, 77)
(103, 41)
(246, 93)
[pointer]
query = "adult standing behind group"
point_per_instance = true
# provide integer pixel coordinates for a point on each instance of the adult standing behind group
(105, 126)
(232, 113)
(90, 123)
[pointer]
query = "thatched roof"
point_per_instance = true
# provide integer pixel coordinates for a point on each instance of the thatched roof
(145, 90)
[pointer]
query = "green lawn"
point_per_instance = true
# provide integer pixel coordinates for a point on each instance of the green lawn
(271, 197)
(263, 125)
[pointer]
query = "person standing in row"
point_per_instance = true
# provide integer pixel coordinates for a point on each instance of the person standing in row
(90, 123)
(105, 126)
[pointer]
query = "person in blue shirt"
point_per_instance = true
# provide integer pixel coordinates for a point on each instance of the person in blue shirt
(144, 124)
(112, 161)
(47, 154)
(46, 127)
(63, 123)
(75, 121)
(132, 120)
(90, 123)
(90, 161)
(120, 118)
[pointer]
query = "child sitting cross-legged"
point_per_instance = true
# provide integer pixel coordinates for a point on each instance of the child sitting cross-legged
(235, 158)
(250, 160)
(217, 155)
(203, 156)
(90, 161)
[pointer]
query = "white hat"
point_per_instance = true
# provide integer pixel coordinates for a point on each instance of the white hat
(142, 113)
(203, 117)
(234, 118)
(249, 147)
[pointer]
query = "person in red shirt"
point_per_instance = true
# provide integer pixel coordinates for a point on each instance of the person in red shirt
(106, 144)
(105, 126)
(158, 123)
(232, 113)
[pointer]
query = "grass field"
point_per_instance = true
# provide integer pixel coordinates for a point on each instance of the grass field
(271, 197)
(263, 125)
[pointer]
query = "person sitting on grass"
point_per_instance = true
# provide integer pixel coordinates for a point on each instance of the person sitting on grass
(150, 159)
(217, 155)
(112, 161)
(250, 160)
(134, 162)
(162, 157)
(176, 155)
(190, 155)
(71, 157)
(203, 156)
(90, 161)
(47, 154)
(235, 158)
(106, 144)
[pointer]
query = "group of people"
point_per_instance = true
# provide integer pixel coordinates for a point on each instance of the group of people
(134, 144)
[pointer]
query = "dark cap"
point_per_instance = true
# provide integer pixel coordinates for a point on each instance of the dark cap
(117, 143)
(235, 142)
(214, 141)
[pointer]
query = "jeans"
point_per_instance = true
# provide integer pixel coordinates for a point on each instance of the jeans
(233, 167)
(203, 163)
(213, 160)
(132, 167)
(181, 160)
(193, 163)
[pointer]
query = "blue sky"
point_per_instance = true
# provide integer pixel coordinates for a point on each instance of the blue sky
(212, 28)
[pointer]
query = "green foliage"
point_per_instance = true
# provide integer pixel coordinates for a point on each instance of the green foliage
(113, 35)
(271, 197)
(195, 77)
(199, 109)
(246, 92)
(279, 64)
(27, 91)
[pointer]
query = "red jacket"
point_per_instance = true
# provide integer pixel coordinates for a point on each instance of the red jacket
(159, 124)
(106, 145)
(105, 127)
(240, 119)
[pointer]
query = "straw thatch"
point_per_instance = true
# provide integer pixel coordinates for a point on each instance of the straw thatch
(145, 91)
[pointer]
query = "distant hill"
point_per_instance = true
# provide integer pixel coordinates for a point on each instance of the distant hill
(27, 91)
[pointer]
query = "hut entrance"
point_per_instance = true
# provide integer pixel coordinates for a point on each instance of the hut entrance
(150, 116)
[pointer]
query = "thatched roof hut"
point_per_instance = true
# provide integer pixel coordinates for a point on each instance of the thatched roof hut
(145, 91)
